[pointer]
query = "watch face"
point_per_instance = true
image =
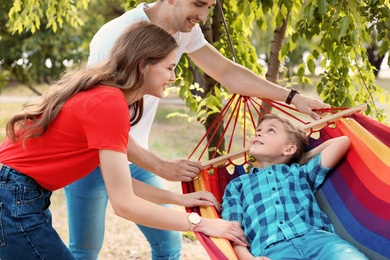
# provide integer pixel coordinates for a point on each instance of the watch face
(194, 218)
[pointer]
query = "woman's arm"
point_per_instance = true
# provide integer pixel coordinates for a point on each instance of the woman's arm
(126, 204)
(160, 196)
(178, 170)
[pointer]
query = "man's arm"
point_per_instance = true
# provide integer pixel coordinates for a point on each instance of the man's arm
(179, 170)
(238, 79)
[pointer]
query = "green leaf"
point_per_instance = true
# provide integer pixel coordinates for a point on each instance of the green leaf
(301, 70)
(311, 66)
(345, 22)
(322, 7)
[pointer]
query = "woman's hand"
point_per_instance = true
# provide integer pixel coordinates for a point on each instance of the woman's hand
(221, 228)
(180, 170)
(200, 198)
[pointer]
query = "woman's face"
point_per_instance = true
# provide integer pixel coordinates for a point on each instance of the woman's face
(158, 76)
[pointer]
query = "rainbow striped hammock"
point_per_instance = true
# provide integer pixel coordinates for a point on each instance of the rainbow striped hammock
(355, 195)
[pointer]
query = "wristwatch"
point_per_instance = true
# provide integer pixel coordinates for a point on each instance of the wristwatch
(194, 219)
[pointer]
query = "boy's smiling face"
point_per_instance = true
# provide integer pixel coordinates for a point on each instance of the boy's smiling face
(270, 141)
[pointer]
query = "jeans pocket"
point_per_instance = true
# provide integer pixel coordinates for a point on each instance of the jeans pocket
(32, 200)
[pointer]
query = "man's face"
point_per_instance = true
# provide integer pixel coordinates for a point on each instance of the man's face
(187, 13)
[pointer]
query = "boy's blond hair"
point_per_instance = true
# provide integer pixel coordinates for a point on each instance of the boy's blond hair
(295, 134)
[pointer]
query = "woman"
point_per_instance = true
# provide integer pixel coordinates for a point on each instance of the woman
(82, 122)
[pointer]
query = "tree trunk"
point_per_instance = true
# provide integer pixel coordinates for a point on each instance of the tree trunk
(212, 34)
(273, 62)
(374, 57)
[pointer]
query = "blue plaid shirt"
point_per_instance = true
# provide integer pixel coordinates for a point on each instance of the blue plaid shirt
(276, 203)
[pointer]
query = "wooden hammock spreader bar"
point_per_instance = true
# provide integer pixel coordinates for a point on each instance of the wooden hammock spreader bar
(313, 125)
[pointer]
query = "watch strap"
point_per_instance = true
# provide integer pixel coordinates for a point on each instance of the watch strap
(291, 95)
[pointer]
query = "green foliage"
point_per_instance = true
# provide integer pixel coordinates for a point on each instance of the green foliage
(43, 55)
(335, 33)
(240, 17)
(342, 30)
(27, 15)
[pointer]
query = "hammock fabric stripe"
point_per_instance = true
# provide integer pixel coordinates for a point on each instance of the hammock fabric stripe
(352, 230)
(368, 148)
(362, 182)
(363, 214)
(360, 213)
(341, 229)
(356, 195)
(372, 203)
(353, 227)
(377, 129)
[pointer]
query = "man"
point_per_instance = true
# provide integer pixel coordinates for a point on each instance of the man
(180, 18)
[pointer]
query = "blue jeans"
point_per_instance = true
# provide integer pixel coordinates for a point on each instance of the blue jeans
(87, 202)
(26, 231)
(314, 245)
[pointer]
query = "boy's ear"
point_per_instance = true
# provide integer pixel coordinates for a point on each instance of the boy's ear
(290, 150)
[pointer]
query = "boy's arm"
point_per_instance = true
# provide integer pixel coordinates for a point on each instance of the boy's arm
(242, 252)
(332, 151)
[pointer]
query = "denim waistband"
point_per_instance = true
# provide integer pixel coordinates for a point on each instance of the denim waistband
(7, 173)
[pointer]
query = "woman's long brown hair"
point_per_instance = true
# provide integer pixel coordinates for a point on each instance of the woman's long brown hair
(141, 43)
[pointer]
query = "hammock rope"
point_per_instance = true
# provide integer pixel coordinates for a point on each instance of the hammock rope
(246, 109)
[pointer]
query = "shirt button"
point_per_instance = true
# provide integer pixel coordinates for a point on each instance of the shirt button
(273, 188)
(280, 222)
(277, 202)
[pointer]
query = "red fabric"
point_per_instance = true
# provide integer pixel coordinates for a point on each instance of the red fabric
(376, 128)
(212, 250)
(69, 149)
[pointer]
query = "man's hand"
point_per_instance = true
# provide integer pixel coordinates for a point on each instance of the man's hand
(309, 105)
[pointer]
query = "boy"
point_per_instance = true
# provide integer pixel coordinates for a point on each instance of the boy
(275, 203)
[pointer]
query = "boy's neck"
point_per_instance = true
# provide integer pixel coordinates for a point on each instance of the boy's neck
(265, 163)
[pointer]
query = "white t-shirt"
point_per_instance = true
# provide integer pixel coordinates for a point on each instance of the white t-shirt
(103, 41)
